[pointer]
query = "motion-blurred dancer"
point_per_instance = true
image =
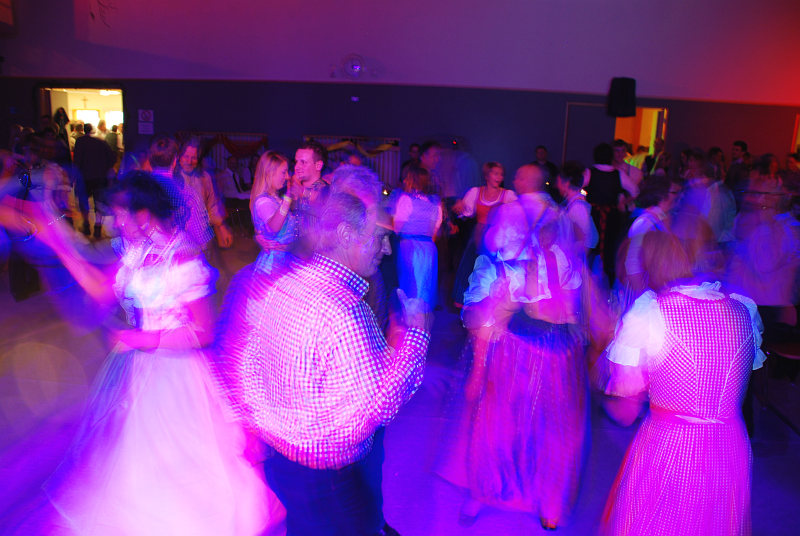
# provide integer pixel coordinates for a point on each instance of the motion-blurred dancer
(156, 452)
(312, 373)
(527, 390)
(417, 218)
(690, 346)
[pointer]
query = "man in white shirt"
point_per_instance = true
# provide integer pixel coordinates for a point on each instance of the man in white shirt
(577, 209)
(235, 190)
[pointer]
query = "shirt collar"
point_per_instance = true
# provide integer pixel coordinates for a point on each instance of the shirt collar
(339, 271)
(656, 211)
(537, 197)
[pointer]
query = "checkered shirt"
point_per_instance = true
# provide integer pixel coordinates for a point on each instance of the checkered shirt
(314, 374)
(191, 215)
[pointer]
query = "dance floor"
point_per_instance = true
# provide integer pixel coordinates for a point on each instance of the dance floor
(46, 367)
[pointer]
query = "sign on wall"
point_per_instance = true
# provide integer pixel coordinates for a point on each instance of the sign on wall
(145, 121)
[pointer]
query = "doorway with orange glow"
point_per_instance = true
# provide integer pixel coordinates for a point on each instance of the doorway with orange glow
(643, 129)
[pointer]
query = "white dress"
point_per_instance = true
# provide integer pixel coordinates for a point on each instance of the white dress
(157, 452)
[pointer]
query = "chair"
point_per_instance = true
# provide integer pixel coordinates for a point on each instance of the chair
(782, 346)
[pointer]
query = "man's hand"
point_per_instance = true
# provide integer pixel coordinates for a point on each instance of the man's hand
(294, 188)
(416, 313)
(224, 236)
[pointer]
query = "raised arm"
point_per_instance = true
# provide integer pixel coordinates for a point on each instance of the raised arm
(56, 234)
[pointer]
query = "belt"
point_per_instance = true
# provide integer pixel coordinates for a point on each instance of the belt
(406, 236)
(669, 415)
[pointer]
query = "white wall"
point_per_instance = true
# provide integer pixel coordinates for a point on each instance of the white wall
(94, 101)
(736, 50)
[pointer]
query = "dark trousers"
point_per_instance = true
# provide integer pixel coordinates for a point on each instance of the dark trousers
(84, 189)
(330, 502)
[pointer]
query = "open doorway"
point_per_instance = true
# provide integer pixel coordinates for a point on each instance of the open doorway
(100, 107)
(74, 113)
(642, 130)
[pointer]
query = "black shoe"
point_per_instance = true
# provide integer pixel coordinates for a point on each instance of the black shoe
(466, 520)
(85, 229)
(388, 531)
(548, 524)
(98, 231)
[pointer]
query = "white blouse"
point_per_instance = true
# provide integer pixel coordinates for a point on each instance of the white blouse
(641, 333)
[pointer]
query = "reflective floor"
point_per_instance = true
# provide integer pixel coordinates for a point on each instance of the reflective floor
(46, 366)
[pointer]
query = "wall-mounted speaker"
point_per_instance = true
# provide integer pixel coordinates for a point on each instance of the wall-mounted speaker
(622, 97)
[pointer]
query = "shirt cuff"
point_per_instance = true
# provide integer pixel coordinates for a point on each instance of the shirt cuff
(417, 338)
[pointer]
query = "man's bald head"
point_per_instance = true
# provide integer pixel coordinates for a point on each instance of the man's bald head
(529, 178)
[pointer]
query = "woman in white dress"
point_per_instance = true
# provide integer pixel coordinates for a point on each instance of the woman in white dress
(156, 452)
(477, 203)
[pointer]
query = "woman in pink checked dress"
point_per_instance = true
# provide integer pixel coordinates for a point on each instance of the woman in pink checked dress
(691, 347)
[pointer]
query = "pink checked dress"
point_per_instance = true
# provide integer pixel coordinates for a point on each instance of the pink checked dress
(688, 469)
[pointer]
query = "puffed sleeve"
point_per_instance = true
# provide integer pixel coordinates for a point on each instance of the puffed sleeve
(265, 207)
(640, 333)
(470, 200)
(402, 212)
(758, 328)
(191, 280)
(480, 281)
(639, 336)
(509, 196)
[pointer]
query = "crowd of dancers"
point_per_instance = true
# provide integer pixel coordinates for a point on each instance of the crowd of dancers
(267, 417)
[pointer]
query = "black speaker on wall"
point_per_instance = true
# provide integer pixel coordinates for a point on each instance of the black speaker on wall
(622, 97)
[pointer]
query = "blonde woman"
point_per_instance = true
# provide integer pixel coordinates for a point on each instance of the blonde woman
(275, 224)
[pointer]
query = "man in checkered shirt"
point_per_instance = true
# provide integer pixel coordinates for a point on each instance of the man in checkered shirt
(191, 215)
(314, 376)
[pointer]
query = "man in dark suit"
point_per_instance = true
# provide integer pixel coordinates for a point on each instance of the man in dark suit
(93, 161)
(738, 173)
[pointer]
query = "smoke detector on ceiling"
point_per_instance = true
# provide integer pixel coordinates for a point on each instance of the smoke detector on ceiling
(354, 66)
(357, 67)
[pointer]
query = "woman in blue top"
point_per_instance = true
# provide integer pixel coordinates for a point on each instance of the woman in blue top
(417, 217)
(274, 222)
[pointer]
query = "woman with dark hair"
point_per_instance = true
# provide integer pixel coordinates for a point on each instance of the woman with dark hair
(275, 224)
(189, 173)
(477, 203)
(689, 347)
(61, 120)
(156, 452)
(417, 217)
(607, 194)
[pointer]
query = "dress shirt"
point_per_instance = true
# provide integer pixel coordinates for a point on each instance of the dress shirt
(315, 376)
(190, 215)
(201, 184)
(579, 212)
(232, 185)
(652, 219)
